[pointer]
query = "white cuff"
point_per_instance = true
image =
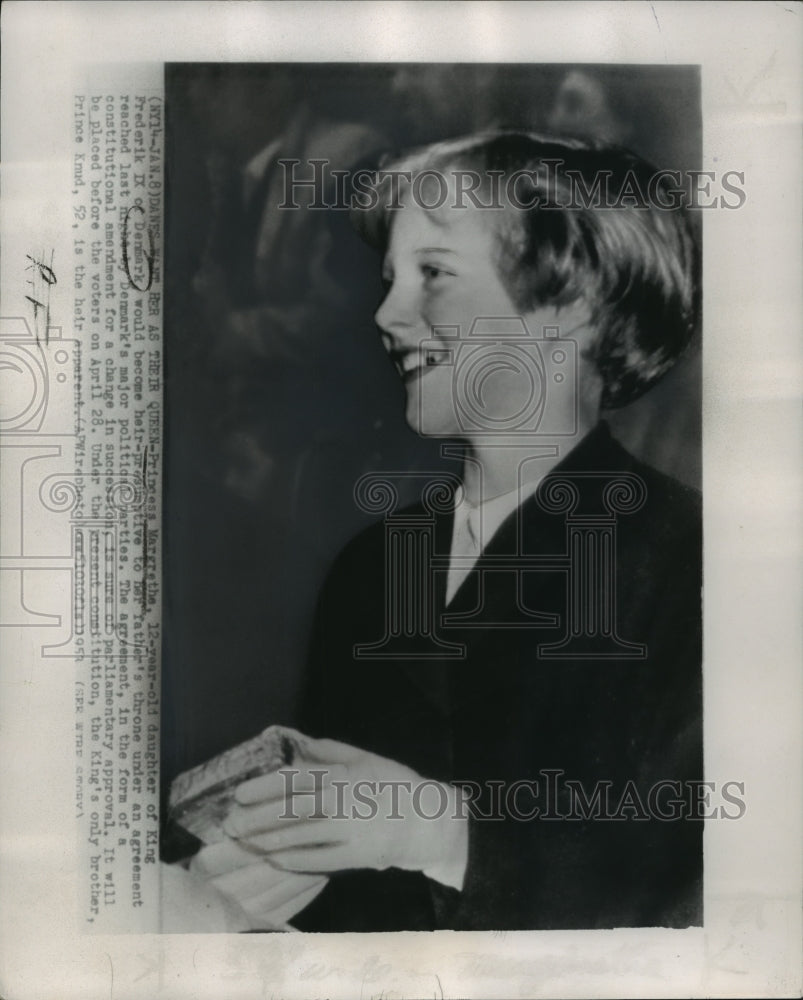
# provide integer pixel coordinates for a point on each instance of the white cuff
(452, 872)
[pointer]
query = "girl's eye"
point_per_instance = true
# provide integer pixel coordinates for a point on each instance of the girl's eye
(432, 273)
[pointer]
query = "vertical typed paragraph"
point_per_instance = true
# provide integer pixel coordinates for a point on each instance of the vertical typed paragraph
(117, 196)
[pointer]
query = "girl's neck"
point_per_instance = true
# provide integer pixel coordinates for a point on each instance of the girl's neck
(501, 465)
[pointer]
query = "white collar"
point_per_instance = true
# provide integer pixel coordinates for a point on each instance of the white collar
(475, 526)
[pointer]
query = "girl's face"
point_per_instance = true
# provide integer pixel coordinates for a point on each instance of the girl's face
(458, 342)
(440, 280)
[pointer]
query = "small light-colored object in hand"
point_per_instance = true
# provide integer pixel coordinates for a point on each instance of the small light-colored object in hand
(201, 797)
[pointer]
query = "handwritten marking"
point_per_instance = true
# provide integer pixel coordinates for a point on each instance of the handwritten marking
(148, 254)
(43, 277)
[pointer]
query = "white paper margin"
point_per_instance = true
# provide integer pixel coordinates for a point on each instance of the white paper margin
(751, 76)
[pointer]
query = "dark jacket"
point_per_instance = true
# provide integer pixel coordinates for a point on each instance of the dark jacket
(620, 703)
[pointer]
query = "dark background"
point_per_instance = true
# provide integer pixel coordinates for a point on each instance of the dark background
(278, 394)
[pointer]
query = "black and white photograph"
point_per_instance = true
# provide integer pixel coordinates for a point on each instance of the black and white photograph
(400, 537)
(433, 406)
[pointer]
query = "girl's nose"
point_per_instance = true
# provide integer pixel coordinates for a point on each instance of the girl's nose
(396, 311)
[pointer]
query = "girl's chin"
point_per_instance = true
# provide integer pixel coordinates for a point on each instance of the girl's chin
(429, 426)
(430, 409)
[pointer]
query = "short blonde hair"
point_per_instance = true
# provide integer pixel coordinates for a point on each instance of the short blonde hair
(635, 265)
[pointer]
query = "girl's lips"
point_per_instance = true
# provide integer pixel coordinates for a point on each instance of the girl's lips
(433, 359)
(412, 375)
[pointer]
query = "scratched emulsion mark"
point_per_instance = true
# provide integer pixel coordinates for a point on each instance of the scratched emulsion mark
(658, 26)
(40, 279)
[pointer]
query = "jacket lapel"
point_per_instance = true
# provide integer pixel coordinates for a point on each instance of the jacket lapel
(493, 594)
